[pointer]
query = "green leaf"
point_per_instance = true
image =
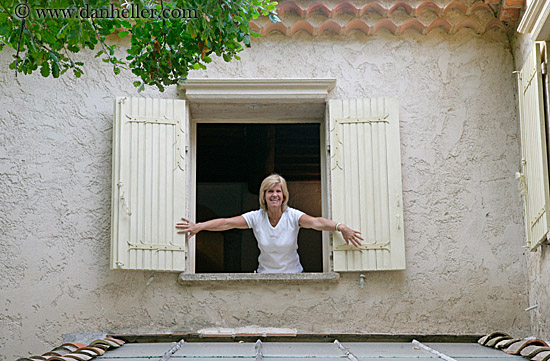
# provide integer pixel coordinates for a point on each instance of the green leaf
(45, 70)
(55, 69)
(123, 34)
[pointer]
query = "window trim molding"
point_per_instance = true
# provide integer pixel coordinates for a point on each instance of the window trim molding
(194, 278)
(535, 20)
(257, 90)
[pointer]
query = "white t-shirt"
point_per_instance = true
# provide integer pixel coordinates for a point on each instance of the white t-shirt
(278, 245)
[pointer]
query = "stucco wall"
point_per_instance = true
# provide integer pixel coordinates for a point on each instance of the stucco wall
(463, 227)
(538, 262)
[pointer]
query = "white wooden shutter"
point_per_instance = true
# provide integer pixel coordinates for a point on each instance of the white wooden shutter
(534, 179)
(366, 188)
(148, 196)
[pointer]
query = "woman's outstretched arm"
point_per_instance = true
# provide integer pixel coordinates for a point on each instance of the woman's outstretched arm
(218, 224)
(323, 224)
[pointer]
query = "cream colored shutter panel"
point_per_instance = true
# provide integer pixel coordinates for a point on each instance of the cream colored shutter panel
(149, 139)
(534, 181)
(366, 188)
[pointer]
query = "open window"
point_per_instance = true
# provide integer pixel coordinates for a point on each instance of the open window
(206, 156)
(232, 160)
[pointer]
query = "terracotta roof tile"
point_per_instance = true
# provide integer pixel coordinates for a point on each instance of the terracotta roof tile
(290, 8)
(115, 340)
(531, 350)
(428, 6)
(97, 350)
(345, 7)
(457, 6)
(439, 23)
(493, 342)
(357, 25)
(480, 6)
(302, 25)
(505, 343)
(481, 16)
(80, 356)
(516, 347)
(373, 7)
(59, 358)
(75, 351)
(386, 24)
(329, 26)
(401, 5)
(318, 8)
(543, 356)
(105, 344)
(469, 24)
(483, 340)
(412, 24)
(75, 345)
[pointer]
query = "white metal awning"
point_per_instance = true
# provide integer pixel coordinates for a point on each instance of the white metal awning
(312, 351)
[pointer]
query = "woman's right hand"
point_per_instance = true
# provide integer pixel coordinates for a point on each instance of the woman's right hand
(188, 227)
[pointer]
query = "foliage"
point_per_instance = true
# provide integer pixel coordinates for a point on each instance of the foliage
(167, 38)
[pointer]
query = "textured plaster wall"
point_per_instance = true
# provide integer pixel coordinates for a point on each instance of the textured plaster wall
(538, 262)
(465, 270)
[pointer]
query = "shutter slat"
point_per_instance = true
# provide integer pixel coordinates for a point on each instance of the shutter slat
(163, 191)
(155, 186)
(366, 174)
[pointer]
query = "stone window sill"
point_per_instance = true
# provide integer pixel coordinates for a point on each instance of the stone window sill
(190, 278)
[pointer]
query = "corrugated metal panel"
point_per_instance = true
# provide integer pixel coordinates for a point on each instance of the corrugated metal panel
(315, 351)
(534, 180)
(148, 184)
(216, 349)
(366, 188)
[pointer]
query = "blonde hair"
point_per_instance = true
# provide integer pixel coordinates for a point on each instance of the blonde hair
(268, 183)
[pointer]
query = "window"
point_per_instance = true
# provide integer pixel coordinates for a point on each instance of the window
(162, 170)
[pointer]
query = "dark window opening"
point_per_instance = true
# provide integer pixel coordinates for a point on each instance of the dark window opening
(232, 160)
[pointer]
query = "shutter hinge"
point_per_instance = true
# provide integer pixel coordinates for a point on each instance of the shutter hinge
(543, 68)
(363, 247)
(155, 247)
(328, 148)
(522, 185)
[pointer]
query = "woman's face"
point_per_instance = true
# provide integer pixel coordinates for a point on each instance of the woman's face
(274, 197)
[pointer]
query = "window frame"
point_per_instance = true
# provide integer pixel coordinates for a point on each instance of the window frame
(191, 245)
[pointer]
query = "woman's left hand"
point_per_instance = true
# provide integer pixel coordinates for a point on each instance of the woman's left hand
(350, 235)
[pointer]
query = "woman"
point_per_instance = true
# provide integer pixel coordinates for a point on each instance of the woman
(275, 227)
